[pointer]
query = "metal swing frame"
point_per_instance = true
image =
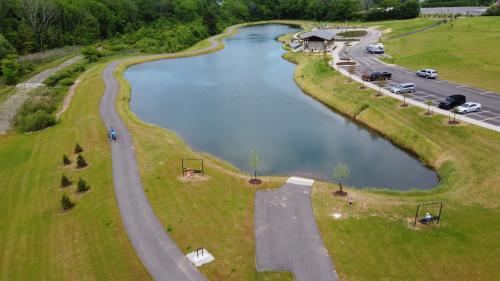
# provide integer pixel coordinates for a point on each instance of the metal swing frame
(202, 171)
(428, 204)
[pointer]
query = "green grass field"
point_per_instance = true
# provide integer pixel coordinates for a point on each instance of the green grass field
(37, 240)
(464, 50)
(375, 240)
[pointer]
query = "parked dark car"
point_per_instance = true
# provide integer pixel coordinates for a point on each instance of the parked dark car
(452, 101)
(374, 76)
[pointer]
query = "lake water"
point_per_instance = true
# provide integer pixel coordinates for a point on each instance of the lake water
(243, 98)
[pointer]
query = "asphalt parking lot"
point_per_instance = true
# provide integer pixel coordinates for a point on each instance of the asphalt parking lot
(426, 89)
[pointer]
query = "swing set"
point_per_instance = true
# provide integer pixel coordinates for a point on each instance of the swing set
(186, 170)
(428, 218)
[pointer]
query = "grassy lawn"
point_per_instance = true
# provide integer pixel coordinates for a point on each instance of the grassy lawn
(37, 240)
(398, 27)
(375, 240)
(464, 50)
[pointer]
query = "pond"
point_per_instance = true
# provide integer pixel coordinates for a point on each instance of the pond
(243, 98)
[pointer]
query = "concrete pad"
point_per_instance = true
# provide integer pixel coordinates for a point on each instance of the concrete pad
(200, 257)
(300, 181)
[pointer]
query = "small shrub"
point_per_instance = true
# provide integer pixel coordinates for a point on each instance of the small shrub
(493, 11)
(80, 162)
(36, 121)
(78, 148)
(66, 203)
(11, 69)
(65, 181)
(66, 160)
(67, 82)
(64, 77)
(91, 53)
(82, 186)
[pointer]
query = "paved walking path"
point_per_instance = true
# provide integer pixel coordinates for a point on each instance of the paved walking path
(10, 107)
(287, 238)
(159, 254)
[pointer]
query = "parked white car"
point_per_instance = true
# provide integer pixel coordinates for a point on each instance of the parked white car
(427, 73)
(468, 107)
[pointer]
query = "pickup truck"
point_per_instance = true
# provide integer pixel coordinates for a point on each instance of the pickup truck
(375, 76)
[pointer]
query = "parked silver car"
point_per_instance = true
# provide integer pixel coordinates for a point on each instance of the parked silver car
(427, 73)
(403, 88)
(468, 107)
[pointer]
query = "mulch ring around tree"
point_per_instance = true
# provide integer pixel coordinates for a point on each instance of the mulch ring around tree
(255, 181)
(339, 193)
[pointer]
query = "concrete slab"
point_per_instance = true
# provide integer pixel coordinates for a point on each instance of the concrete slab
(300, 181)
(200, 257)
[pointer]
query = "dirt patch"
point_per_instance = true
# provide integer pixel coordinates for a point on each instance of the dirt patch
(68, 98)
(194, 178)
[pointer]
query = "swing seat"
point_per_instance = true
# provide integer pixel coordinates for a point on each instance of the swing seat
(429, 220)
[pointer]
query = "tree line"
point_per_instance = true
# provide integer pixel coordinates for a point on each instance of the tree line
(28, 26)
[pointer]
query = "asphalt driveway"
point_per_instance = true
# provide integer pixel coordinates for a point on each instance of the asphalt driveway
(287, 238)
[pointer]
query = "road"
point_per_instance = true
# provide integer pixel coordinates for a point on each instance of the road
(427, 89)
(473, 11)
(159, 254)
(287, 238)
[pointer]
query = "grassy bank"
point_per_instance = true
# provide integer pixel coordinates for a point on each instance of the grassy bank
(37, 240)
(464, 50)
(375, 240)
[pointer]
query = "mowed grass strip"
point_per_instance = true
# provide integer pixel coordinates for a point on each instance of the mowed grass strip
(464, 50)
(37, 240)
(375, 240)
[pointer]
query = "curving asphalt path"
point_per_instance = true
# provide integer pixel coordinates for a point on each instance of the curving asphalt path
(159, 254)
(427, 89)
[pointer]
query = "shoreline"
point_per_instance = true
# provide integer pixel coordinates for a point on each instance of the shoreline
(218, 44)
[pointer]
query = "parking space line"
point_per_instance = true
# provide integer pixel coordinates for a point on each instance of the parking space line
(476, 113)
(423, 98)
(491, 118)
(426, 96)
(484, 93)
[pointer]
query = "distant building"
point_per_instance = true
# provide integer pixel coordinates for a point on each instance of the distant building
(319, 40)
